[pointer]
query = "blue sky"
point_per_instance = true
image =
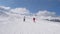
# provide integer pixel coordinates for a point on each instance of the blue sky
(34, 5)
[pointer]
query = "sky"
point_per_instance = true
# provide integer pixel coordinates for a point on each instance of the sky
(34, 5)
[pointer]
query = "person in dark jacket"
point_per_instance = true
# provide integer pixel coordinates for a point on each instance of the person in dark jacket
(24, 19)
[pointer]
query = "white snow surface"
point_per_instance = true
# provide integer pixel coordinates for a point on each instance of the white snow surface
(15, 25)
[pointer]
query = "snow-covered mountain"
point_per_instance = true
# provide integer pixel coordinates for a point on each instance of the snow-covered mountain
(12, 23)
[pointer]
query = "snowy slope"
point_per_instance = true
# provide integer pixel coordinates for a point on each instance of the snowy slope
(15, 25)
(11, 22)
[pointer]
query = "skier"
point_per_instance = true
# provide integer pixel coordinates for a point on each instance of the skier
(24, 19)
(34, 19)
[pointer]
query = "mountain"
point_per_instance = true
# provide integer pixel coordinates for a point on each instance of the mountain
(53, 19)
(3, 12)
(12, 23)
(15, 25)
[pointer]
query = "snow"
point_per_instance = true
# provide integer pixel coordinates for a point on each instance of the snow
(15, 25)
(11, 22)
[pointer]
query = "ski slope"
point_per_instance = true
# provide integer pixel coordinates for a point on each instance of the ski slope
(15, 25)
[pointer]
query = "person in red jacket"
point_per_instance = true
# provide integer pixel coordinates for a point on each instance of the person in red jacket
(34, 19)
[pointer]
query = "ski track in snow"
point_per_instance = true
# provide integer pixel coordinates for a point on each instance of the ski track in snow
(17, 26)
